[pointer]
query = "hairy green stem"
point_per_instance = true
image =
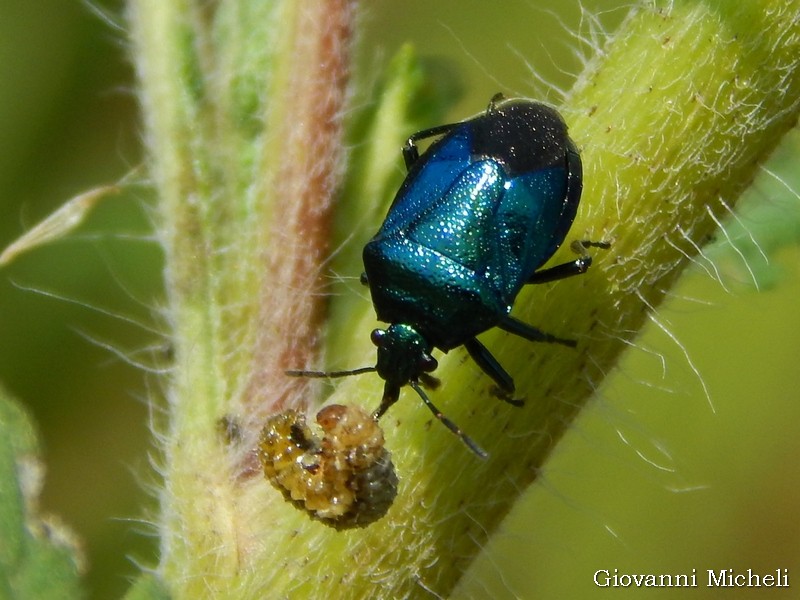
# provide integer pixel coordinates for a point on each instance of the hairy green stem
(243, 104)
(673, 120)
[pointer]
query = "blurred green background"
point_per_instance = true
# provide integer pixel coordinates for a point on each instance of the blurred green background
(650, 479)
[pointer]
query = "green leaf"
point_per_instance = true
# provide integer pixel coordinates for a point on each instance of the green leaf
(148, 587)
(39, 557)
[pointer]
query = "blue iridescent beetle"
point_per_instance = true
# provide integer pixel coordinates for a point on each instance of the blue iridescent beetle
(480, 211)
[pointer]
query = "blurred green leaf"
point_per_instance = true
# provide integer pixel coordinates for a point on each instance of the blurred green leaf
(38, 556)
(147, 587)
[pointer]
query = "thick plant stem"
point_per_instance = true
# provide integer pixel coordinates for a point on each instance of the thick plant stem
(243, 104)
(303, 157)
(672, 120)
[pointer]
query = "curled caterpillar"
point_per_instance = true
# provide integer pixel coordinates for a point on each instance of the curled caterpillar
(345, 479)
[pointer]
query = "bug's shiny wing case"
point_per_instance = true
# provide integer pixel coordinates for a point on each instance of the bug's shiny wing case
(479, 212)
(544, 171)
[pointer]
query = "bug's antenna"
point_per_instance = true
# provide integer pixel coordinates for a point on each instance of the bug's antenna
(329, 374)
(480, 452)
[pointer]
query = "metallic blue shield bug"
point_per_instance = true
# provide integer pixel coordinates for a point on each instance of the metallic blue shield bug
(480, 211)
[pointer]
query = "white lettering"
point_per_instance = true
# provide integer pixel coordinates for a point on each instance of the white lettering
(729, 578)
(602, 582)
(607, 578)
(716, 581)
(680, 580)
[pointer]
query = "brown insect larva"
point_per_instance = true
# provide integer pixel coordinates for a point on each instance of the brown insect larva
(346, 479)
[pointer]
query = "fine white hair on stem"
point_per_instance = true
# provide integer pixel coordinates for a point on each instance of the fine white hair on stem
(699, 254)
(781, 181)
(641, 454)
(710, 270)
(472, 57)
(734, 246)
(138, 323)
(735, 216)
(652, 317)
(126, 356)
(115, 22)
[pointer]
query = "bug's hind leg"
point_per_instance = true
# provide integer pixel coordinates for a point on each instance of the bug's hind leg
(575, 267)
(489, 365)
(531, 333)
(562, 271)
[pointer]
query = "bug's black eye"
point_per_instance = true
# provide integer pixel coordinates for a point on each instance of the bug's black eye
(428, 364)
(377, 336)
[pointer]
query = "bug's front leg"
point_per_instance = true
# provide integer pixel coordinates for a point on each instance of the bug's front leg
(391, 393)
(489, 365)
(410, 150)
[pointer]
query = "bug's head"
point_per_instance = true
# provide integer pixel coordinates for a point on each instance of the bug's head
(403, 354)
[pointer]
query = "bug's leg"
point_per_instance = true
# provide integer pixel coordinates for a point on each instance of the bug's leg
(562, 271)
(580, 246)
(494, 101)
(391, 392)
(447, 422)
(429, 381)
(410, 150)
(574, 176)
(531, 333)
(329, 374)
(489, 365)
(364, 280)
(576, 267)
